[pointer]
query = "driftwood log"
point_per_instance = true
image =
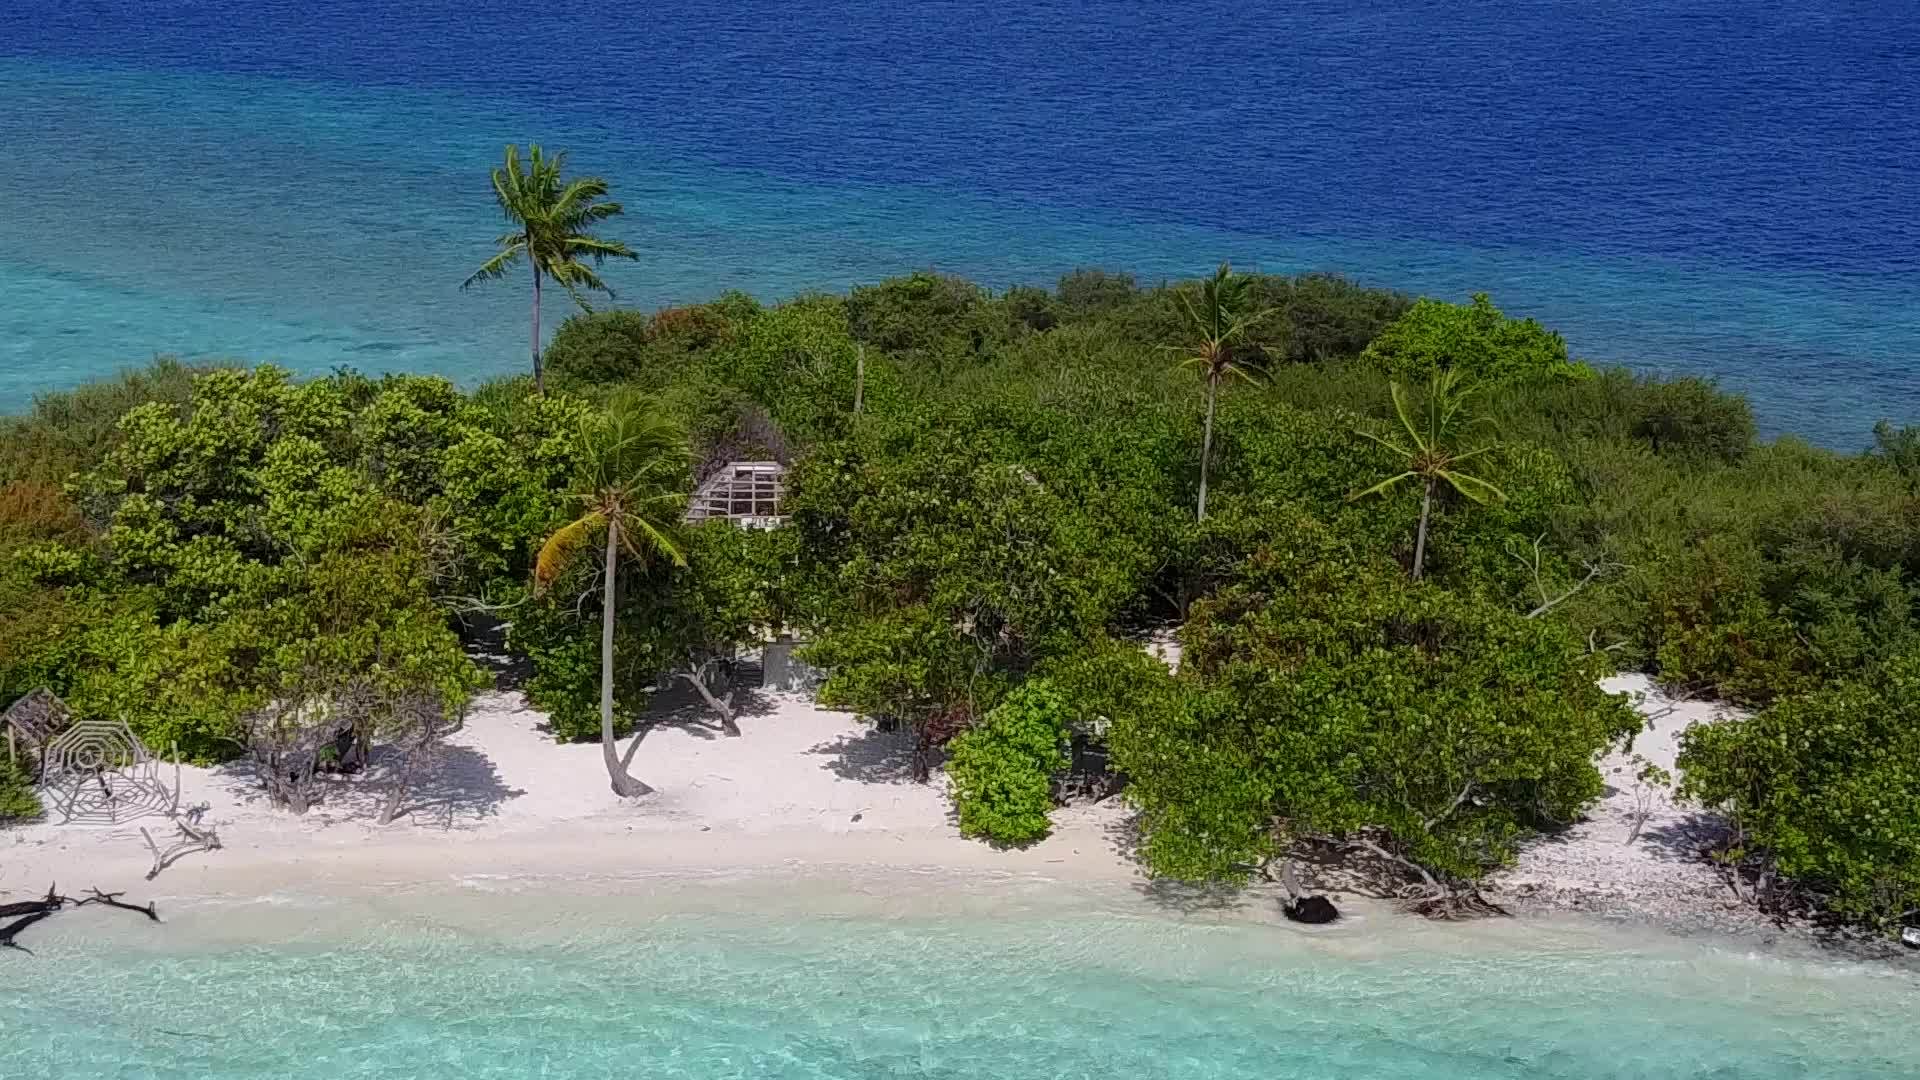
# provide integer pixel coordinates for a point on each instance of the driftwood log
(33, 911)
(12, 929)
(112, 900)
(49, 902)
(193, 837)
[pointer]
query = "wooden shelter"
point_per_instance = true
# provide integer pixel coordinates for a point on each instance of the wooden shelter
(747, 493)
(34, 721)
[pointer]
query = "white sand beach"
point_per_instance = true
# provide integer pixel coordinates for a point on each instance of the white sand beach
(803, 786)
(805, 789)
(1637, 851)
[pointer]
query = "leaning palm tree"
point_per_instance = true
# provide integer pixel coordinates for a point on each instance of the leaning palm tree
(1430, 455)
(1219, 326)
(551, 217)
(633, 463)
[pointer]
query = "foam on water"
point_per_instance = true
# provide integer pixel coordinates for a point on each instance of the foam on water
(772, 977)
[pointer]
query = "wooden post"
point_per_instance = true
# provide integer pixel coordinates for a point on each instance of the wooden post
(859, 377)
(13, 753)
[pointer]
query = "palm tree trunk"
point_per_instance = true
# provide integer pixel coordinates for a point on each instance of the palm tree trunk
(624, 785)
(1420, 537)
(1206, 442)
(539, 375)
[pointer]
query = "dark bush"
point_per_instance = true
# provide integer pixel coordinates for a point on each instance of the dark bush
(929, 316)
(1693, 416)
(1030, 307)
(624, 346)
(1088, 292)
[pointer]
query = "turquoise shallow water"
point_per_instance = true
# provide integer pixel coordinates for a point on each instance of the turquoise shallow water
(904, 985)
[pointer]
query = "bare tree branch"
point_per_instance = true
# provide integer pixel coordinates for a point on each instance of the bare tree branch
(1534, 564)
(1466, 789)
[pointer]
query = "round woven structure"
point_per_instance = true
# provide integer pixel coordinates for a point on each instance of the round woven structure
(99, 773)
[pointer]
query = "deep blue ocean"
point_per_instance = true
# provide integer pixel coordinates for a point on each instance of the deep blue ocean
(1722, 187)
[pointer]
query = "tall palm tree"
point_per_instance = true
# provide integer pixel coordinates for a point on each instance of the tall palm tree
(1219, 325)
(551, 217)
(1430, 455)
(633, 463)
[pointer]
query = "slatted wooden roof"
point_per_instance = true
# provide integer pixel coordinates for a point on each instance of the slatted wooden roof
(746, 492)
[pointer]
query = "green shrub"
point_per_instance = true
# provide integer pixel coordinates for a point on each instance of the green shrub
(1684, 418)
(620, 345)
(1331, 697)
(1476, 338)
(932, 319)
(1088, 291)
(1002, 768)
(1692, 416)
(70, 431)
(1825, 788)
(560, 637)
(19, 802)
(1030, 307)
(1898, 447)
(1321, 317)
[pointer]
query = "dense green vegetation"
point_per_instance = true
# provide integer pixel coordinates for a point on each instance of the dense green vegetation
(978, 550)
(1002, 767)
(19, 802)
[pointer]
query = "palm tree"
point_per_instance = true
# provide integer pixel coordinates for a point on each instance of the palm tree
(551, 218)
(632, 466)
(1430, 456)
(1219, 329)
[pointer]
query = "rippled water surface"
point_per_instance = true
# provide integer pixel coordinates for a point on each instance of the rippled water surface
(525, 986)
(1711, 186)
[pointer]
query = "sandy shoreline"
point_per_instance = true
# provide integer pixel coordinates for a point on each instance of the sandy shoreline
(804, 787)
(1637, 853)
(807, 792)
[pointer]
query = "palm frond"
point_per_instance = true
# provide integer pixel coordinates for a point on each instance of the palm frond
(1404, 411)
(553, 216)
(497, 266)
(561, 547)
(1473, 487)
(1398, 450)
(659, 540)
(1382, 486)
(1193, 315)
(596, 249)
(579, 192)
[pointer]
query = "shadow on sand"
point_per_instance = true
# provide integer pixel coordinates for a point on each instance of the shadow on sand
(457, 787)
(870, 757)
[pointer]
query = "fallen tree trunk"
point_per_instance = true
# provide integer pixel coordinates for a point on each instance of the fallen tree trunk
(12, 930)
(49, 902)
(47, 906)
(697, 675)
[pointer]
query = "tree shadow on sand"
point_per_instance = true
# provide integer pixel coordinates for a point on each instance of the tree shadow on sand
(870, 757)
(455, 787)
(680, 706)
(1670, 836)
(485, 638)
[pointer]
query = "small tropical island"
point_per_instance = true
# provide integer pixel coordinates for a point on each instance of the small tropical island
(1250, 582)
